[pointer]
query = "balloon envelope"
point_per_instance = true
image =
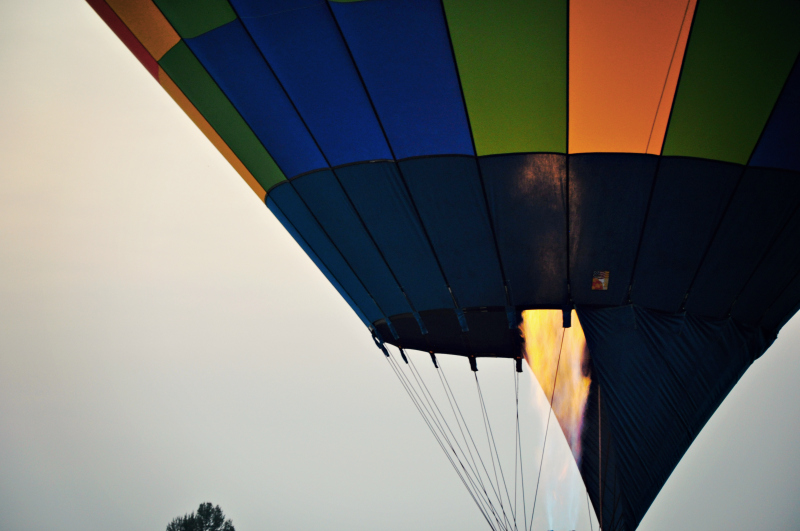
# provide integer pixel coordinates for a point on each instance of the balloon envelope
(450, 164)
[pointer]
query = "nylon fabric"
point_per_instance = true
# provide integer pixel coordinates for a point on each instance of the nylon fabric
(378, 194)
(783, 307)
(447, 192)
(233, 60)
(402, 50)
(527, 199)
(751, 253)
(322, 193)
(147, 22)
(661, 377)
(124, 34)
(306, 51)
(300, 223)
(199, 120)
(603, 460)
(191, 18)
(512, 62)
(763, 203)
(269, 8)
(738, 57)
(778, 147)
(689, 198)
(608, 196)
(189, 75)
(776, 271)
(410, 336)
(314, 258)
(624, 60)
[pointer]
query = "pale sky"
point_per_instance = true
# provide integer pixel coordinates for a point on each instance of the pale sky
(164, 342)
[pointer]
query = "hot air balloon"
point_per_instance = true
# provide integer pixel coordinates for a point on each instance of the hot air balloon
(450, 164)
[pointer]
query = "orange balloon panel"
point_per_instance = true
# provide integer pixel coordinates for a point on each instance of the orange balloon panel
(145, 20)
(624, 62)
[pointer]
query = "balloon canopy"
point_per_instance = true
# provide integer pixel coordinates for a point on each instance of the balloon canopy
(448, 164)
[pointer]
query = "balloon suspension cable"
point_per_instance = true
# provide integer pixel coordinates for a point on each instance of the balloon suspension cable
(421, 383)
(484, 480)
(423, 400)
(432, 426)
(461, 421)
(518, 448)
(547, 426)
(492, 446)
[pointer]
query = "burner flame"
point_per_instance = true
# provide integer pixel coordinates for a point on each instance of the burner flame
(543, 335)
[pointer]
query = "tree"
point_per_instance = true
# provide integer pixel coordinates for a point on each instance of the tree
(207, 518)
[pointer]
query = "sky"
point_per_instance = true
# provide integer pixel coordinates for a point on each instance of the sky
(164, 342)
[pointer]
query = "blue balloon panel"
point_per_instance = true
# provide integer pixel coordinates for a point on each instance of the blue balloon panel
(307, 53)
(231, 58)
(448, 195)
(608, 200)
(779, 146)
(284, 202)
(689, 199)
(323, 194)
(402, 50)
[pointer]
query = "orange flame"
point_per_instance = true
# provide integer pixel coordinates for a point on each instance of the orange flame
(542, 331)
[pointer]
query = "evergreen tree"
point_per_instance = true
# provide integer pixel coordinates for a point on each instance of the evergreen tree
(207, 518)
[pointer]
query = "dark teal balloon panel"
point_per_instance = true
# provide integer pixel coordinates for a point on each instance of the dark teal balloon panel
(690, 196)
(448, 195)
(323, 193)
(470, 238)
